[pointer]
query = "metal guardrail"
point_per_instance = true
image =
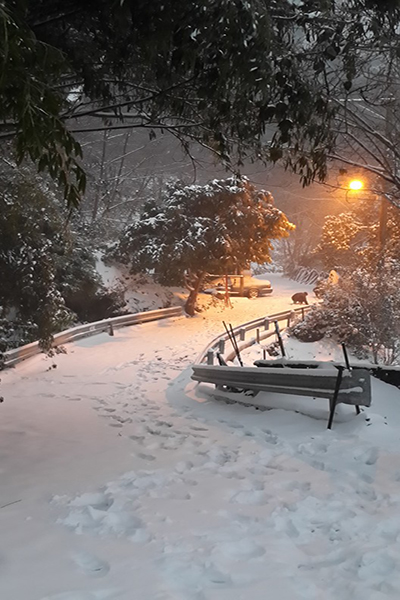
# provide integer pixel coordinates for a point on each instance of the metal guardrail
(12, 357)
(261, 327)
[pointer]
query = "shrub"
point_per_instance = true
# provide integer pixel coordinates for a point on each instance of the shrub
(363, 311)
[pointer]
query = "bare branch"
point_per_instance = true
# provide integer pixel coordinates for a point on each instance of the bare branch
(154, 94)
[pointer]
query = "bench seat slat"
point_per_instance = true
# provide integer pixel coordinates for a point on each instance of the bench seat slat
(355, 387)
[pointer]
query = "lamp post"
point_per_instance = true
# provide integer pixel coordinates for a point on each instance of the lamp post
(382, 222)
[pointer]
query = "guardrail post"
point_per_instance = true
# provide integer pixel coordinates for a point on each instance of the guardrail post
(264, 353)
(210, 357)
(111, 329)
(278, 334)
(266, 324)
(257, 336)
(302, 313)
(221, 346)
(242, 334)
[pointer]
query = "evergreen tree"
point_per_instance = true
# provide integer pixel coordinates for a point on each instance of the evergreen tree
(223, 225)
(363, 309)
(351, 239)
(31, 232)
(47, 274)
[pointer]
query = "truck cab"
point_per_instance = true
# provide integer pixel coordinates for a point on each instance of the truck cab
(240, 285)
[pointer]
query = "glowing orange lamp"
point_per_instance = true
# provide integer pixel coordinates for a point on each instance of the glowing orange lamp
(356, 184)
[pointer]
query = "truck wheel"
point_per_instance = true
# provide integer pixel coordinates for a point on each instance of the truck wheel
(253, 293)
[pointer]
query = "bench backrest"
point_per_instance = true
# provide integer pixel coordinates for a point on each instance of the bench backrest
(355, 387)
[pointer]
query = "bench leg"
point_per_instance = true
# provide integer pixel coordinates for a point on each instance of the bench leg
(332, 408)
(332, 402)
(358, 409)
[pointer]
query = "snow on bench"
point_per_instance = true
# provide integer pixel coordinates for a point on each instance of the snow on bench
(321, 380)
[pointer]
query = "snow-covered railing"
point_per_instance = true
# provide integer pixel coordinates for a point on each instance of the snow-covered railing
(13, 357)
(307, 275)
(262, 328)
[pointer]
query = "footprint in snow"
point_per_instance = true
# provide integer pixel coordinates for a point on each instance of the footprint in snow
(250, 497)
(301, 486)
(197, 428)
(376, 565)
(318, 464)
(146, 456)
(248, 433)
(183, 466)
(366, 493)
(137, 438)
(370, 457)
(312, 448)
(239, 550)
(121, 419)
(232, 474)
(271, 438)
(366, 478)
(90, 564)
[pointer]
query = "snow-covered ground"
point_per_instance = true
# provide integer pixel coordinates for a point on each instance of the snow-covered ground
(139, 291)
(119, 479)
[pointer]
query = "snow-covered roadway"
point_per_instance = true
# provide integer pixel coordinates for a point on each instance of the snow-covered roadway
(119, 480)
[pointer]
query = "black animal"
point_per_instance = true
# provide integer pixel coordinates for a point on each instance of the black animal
(300, 298)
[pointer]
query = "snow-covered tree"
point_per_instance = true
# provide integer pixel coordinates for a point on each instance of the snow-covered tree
(362, 310)
(351, 239)
(217, 227)
(47, 274)
(31, 232)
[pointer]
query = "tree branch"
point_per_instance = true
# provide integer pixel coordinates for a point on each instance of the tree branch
(152, 96)
(375, 170)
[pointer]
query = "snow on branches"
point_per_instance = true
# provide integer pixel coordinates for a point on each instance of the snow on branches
(225, 224)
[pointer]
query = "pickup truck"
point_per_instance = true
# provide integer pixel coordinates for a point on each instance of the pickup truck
(240, 285)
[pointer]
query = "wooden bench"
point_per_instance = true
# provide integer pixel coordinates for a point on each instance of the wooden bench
(321, 380)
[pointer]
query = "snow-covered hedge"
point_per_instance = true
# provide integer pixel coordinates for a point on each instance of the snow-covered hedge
(363, 311)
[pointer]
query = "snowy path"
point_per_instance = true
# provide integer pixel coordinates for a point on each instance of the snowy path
(127, 483)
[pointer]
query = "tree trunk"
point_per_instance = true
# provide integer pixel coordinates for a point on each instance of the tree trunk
(100, 179)
(191, 301)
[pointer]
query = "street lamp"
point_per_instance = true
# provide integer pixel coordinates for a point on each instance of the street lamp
(356, 184)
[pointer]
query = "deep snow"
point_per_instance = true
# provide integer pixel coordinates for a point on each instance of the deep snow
(139, 291)
(121, 479)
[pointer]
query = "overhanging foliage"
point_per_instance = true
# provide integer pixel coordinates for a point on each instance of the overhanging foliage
(217, 72)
